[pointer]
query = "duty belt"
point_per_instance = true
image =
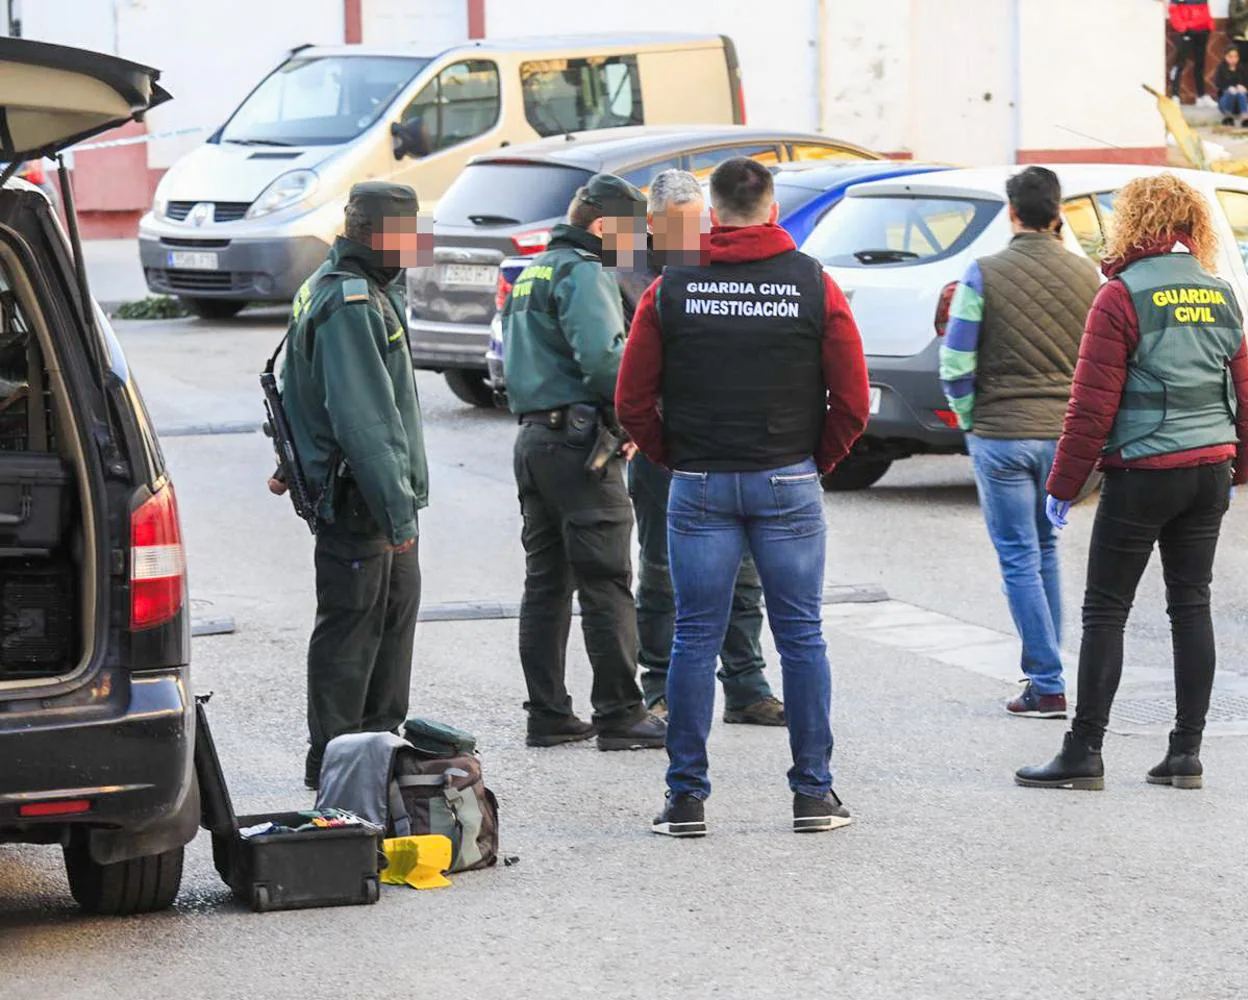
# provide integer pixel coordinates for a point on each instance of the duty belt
(554, 419)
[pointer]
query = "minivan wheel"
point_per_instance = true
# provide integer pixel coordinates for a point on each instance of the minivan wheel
(140, 885)
(470, 387)
(856, 474)
(213, 308)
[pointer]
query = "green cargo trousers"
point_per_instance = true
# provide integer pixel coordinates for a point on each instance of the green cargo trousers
(577, 535)
(360, 655)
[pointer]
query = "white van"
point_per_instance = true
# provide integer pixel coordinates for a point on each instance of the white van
(251, 213)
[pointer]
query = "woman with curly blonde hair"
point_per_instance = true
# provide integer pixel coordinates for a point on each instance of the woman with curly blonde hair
(1160, 402)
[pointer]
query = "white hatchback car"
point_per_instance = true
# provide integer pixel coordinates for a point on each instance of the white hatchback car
(898, 249)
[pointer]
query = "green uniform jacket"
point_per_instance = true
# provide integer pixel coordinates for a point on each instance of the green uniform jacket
(350, 393)
(563, 327)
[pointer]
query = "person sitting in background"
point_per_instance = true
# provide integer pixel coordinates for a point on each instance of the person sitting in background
(1161, 402)
(1232, 83)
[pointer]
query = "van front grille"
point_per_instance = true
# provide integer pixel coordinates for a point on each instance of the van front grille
(224, 211)
(171, 241)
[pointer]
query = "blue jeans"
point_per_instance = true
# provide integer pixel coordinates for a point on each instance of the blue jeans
(1010, 476)
(1233, 105)
(713, 519)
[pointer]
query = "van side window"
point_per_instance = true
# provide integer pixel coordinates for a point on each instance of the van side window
(1235, 205)
(460, 104)
(1084, 221)
(575, 95)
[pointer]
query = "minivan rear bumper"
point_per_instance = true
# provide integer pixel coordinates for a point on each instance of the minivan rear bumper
(266, 270)
(910, 396)
(439, 346)
(134, 768)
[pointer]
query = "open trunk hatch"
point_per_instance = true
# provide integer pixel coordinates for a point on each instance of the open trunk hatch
(52, 97)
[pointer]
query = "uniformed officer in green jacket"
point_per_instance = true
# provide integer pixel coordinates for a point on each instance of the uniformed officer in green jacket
(563, 331)
(350, 396)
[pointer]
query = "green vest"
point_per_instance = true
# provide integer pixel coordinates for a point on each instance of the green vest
(1179, 393)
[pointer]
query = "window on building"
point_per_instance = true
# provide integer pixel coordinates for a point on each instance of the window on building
(575, 95)
(460, 104)
(703, 162)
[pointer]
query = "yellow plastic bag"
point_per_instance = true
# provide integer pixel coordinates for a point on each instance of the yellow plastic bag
(417, 861)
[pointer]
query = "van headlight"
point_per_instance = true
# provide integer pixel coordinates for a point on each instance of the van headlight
(287, 190)
(160, 200)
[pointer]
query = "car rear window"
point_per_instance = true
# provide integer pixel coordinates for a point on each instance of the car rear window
(791, 197)
(509, 193)
(896, 230)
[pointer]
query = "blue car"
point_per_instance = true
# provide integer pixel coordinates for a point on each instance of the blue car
(805, 192)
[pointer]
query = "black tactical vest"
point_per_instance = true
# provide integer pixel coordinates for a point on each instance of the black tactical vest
(743, 386)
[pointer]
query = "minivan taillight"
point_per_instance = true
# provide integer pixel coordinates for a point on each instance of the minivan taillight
(34, 173)
(942, 307)
(157, 562)
(504, 289)
(530, 243)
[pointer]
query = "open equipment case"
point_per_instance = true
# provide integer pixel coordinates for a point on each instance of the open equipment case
(287, 870)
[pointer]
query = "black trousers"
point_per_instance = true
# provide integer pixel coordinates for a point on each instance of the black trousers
(1179, 510)
(360, 655)
(1190, 46)
(577, 535)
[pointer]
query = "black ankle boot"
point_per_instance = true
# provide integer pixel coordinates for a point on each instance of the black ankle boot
(1182, 767)
(1077, 765)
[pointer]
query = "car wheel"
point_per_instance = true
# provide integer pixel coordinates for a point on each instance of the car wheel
(213, 308)
(856, 474)
(140, 885)
(1091, 487)
(470, 387)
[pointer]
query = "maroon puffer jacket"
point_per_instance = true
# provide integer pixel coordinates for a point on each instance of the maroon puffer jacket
(1109, 339)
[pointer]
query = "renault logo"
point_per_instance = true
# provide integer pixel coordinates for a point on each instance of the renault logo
(200, 214)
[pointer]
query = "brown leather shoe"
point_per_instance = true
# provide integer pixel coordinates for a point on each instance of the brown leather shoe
(767, 711)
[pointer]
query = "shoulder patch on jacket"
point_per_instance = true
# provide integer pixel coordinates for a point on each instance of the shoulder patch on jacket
(587, 255)
(355, 290)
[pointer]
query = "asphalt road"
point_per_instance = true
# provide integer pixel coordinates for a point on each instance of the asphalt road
(952, 882)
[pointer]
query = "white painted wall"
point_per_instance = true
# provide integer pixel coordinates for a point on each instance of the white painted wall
(210, 52)
(1090, 82)
(867, 85)
(424, 26)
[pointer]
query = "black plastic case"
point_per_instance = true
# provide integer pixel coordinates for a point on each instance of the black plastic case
(34, 499)
(282, 871)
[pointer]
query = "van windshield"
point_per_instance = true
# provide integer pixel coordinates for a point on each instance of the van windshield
(320, 101)
(882, 230)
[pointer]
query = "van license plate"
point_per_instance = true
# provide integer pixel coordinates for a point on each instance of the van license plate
(476, 275)
(876, 394)
(193, 260)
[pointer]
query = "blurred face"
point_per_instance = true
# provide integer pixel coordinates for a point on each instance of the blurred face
(405, 241)
(623, 240)
(678, 232)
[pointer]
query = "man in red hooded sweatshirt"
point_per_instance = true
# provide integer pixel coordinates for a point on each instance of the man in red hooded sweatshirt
(745, 376)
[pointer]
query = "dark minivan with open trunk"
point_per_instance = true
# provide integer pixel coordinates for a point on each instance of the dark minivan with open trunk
(96, 712)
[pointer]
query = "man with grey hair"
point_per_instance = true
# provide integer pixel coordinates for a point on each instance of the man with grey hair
(676, 217)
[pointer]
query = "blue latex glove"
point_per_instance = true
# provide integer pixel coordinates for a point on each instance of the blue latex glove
(1056, 510)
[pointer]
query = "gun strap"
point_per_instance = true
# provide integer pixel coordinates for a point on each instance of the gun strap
(272, 362)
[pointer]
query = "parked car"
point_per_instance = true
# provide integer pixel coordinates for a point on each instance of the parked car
(504, 204)
(251, 213)
(898, 249)
(805, 191)
(96, 723)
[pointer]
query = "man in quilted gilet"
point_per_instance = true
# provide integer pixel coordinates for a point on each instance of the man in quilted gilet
(1006, 367)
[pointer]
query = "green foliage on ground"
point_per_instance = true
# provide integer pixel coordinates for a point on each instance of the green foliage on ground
(152, 307)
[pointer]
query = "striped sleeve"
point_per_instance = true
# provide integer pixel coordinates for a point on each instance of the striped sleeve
(959, 354)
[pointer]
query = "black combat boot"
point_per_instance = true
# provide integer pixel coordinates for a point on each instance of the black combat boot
(548, 732)
(1077, 765)
(1181, 768)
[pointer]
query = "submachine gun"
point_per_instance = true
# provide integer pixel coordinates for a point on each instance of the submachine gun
(277, 428)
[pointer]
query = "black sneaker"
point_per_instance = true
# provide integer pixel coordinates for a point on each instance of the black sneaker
(684, 815)
(552, 732)
(812, 815)
(647, 733)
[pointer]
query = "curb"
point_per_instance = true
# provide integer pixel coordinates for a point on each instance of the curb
(475, 611)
